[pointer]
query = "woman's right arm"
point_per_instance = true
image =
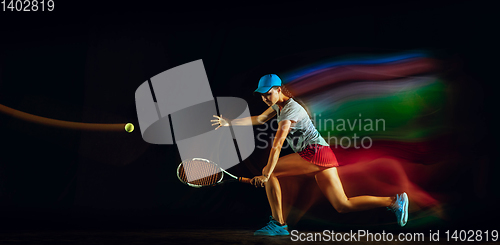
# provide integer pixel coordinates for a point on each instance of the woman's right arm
(247, 121)
(256, 120)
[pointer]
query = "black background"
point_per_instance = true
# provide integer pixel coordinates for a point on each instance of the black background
(84, 61)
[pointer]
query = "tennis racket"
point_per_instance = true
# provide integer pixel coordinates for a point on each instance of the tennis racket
(212, 173)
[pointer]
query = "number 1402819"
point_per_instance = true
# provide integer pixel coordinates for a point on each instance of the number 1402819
(28, 5)
(472, 235)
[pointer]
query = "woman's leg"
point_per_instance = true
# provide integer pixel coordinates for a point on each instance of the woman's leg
(288, 165)
(329, 182)
(273, 192)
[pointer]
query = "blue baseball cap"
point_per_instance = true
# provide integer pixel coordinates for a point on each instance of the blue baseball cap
(268, 81)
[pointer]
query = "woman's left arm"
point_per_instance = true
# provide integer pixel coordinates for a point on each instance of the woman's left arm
(283, 130)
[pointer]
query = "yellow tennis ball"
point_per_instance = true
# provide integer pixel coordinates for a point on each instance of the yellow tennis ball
(129, 127)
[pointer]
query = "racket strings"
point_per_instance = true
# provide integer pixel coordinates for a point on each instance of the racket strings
(198, 172)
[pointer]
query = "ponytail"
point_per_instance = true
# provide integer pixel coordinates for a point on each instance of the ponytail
(287, 92)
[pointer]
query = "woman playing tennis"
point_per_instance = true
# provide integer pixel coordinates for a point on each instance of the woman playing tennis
(312, 156)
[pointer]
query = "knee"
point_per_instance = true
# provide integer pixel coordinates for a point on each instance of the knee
(271, 180)
(276, 175)
(272, 176)
(343, 207)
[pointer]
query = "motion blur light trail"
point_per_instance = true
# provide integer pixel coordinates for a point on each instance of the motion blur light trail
(401, 98)
(323, 76)
(320, 67)
(401, 103)
(60, 123)
(394, 110)
(106, 143)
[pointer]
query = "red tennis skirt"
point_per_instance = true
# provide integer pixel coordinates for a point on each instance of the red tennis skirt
(320, 155)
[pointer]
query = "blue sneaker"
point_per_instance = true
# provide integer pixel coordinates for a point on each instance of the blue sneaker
(273, 228)
(400, 208)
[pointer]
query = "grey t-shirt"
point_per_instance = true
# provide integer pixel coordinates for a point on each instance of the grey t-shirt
(302, 131)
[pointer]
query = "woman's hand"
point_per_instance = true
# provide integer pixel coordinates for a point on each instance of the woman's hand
(259, 181)
(219, 121)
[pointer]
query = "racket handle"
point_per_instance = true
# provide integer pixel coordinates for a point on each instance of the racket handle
(244, 180)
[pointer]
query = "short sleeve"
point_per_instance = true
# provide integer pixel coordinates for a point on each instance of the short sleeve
(291, 113)
(275, 107)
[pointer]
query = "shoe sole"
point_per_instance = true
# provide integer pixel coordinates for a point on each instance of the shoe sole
(285, 229)
(264, 234)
